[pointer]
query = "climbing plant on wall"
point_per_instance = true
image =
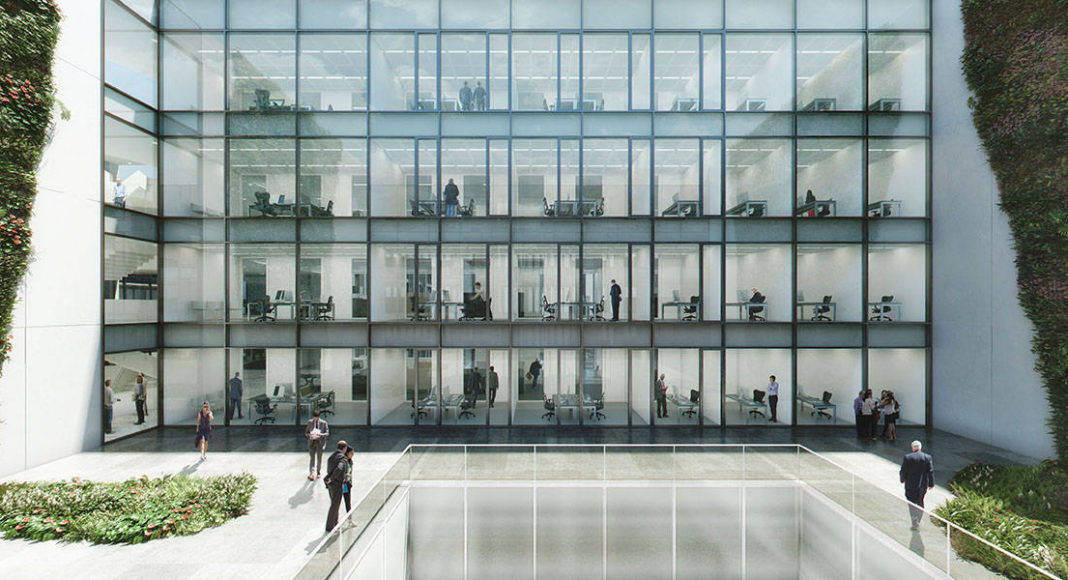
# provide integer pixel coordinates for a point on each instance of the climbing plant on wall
(28, 33)
(1016, 63)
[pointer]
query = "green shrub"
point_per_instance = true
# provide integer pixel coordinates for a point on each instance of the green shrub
(28, 33)
(132, 511)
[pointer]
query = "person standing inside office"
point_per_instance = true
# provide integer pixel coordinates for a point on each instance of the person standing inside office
(867, 410)
(109, 406)
(660, 392)
(316, 431)
(533, 373)
(451, 195)
(480, 97)
(118, 193)
(476, 386)
(336, 469)
(466, 97)
(493, 381)
(140, 399)
(616, 293)
(917, 473)
(773, 398)
(858, 414)
(237, 388)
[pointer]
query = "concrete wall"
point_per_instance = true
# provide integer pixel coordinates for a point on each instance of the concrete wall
(985, 386)
(50, 402)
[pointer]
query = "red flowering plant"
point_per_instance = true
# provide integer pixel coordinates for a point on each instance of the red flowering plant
(28, 33)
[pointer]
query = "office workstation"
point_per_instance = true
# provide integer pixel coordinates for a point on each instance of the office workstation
(828, 283)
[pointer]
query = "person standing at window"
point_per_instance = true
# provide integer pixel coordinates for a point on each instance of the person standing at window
(660, 392)
(466, 98)
(118, 193)
(493, 381)
(451, 193)
(773, 398)
(140, 399)
(109, 406)
(237, 388)
(480, 97)
(616, 293)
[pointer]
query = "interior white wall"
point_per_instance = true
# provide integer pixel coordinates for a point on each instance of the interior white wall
(836, 177)
(903, 371)
(772, 82)
(53, 377)
(767, 179)
(899, 271)
(387, 285)
(903, 77)
(615, 372)
(711, 297)
(641, 382)
(840, 80)
(712, 363)
(837, 370)
(681, 367)
(387, 381)
(191, 282)
(900, 175)
(984, 384)
(336, 368)
(769, 271)
(193, 375)
(748, 369)
(833, 271)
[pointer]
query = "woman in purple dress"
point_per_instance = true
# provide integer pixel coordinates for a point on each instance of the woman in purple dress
(204, 419)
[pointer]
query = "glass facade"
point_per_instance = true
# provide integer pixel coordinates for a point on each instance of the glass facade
(364, 207)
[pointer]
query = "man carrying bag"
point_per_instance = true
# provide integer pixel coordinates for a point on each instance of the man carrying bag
(336, 468)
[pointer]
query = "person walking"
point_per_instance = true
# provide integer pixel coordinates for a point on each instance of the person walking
(773, 398)
(109, 407)
(660, 392)
(616, 293)
(140, 399)
(476, 386)
(317, 430)
(917, 473)
(451, 195)
(867, 410)
(237, 388)
(493, 381)
(204, 419)
(533, 373)
(858, 414)
(346, 488)
(336, 469)
(890, 410)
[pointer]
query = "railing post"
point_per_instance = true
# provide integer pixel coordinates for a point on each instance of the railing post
(949, 545)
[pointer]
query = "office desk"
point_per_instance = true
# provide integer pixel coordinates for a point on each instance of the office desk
(889, 316)
(749, 406)
(576, 207)
(450, 310)
(679, 309)
(425, 208)
(584, 310)
(451, 402)
(832, 314)
(685, 406)
(817, 206)
(744, 306)
(683, 208)
(572, 402)
(746, 208)
(291, 401)
(884, 208)
(429, 315)
(818, 406)
(684, 104)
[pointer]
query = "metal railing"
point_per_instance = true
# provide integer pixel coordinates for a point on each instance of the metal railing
(884, 512)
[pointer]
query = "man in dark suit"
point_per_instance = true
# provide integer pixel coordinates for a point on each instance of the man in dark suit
(660, 393)
(493, 381)
(476, 386)
(617, 296)
(336, 467)
(917, 473)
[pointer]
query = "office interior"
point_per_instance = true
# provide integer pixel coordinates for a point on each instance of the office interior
(123, 369)
(131, 280)
(828, 283)
(766, 268)
(130, 175)
(749, 370)
(896, 286)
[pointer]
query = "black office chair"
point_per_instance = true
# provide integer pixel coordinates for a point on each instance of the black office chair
(826, 401)
(598, 407)
(419, 311)
(263, 204)
(758, 397)
(467, 210)
(695, 398)
(264, 409)
(548, 311)
(548, 210)
(472, 309)
(262, 98)
(755, 310)
(263, 309)
(550, 409)
(598, 310)
(325, 310)
(692, 310)
(325, 404)
(327, 211)
(819, 312)
(881, 311)
(756, 211)
(467, 406)
(598, 210)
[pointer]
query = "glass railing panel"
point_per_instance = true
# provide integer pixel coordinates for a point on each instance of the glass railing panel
(893, 516)
(437, 462)
(771, 462)
(500, 463)
(967, 547)
(827, 478)
(578, 463)
(708, 463)
(644, 463)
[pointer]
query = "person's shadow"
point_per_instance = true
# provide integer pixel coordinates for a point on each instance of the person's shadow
(916, 543)
(189, 469)
(303, 495)
(314, 543)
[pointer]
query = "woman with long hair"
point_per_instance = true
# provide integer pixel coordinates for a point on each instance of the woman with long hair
(204, 419)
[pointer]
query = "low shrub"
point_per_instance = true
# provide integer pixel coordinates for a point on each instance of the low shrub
(133, 511)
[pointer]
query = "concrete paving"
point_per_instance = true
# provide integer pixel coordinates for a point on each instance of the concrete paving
(287, 516)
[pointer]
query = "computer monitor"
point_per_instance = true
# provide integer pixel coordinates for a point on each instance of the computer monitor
(675, 295)
(800, 295)
(279, 295)
(277, 390)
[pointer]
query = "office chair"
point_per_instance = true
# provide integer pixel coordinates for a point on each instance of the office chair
(881, 310)
(753, 310)
(826, 401)
(598, 210)
(325, 404)
(695, 398)
(825, 210)
(598, 406)
(467, 406)
(265, 309)
(262, 99)
(467, 210)
(598, 310)
(819, 312)
(548, 310)
(756, 211)
(472, 309)
(548, 210)
(550, 409)
(263, 204)
(264, 409)
(758, 397)
(325, 310)
(690, 311)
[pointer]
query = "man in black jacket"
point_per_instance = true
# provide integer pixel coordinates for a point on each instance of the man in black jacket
(336, 467)
(616, 292)
(917, 473)
(452, 198)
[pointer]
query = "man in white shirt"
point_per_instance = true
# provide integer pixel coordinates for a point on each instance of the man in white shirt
(316, 431)
(109, 406)
(773, 398)
(119, 193)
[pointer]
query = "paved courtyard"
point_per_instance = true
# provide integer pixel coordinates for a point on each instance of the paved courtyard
(286, 518)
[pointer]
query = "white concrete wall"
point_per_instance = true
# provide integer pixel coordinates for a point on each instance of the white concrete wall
(50, 399)
(984, 384)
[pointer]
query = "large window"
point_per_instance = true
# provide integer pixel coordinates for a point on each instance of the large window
(262, 72)
(333, 72)
(131, 280)
(130, 167)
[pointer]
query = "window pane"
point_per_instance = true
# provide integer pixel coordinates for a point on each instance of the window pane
(333, 72)
(131, 281)
(641, 176)
(680, 368)
(759, 71)
(193, 72)
(897, 171)
(144, 8)
(616, 14)
(129, 54)
(830, 13)
(262, 71)
(898, 13)
(677, 176)
(604, 174)
(130, 172)
(602, 266)
(462, 267)
(534, 183)
(604, 68)
(688, 14)
(828, 283)
(534, 71)
(333, 282)
(569, 175)
(711, 204)
(464, 162)
(474, 14)
(904, 370)
(569, 74)
(193, 283)
(192, 14)
(428, 72)
(262, 282)
(129, 110)
(393, 68)
(263, 14)
(641, 61)
(763, 268)
(333, 177)
(259, 167)
(547, 14)
(463, 72)
(677, 72)
(760, 13)
(711, 295)
(830, 169)
(534, 277)
(194, 177)
(341, 374)
(829, 72)
(897, 72)
(758, 170)
(747, 370)
(134, 378)
(408, 14)
(194, 375)
(393, 176)
(678, 282)
(897, 282)
(333, 14)
(713, 72)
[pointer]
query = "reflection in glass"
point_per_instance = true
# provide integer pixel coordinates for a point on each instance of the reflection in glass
(829, 72)
(333, 177)
(129, 54)
(759, 71)
(333, 72)
(763, 268)
(191, 281)
(193, 72)
(393, 173)
(677, 177)
(534, 69)
(262, 13)
(604, 62)
(263, 177)
(463, 73)
(407, 14)
(897, 72)
(897, 177)
(131, 280)
(832, 170)
(534, 182)
(604, 176)
(393, 68)
(129, 167)
(828, 283)
(333, 14)
(758, 177)
(262, 70)
(194, 375)
(262, 282)
(897, 282)
(676, 76)
(193, 181)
